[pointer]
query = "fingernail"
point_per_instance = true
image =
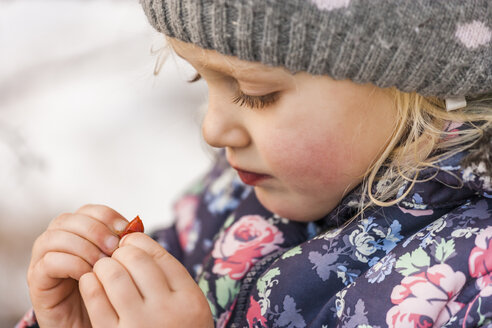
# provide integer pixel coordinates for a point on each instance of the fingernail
(119, 225)
(112, 242)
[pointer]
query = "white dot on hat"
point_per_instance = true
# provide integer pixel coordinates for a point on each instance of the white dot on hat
(330, 4)
(474, 34)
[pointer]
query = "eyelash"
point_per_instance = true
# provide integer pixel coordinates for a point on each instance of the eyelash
(242, 99)
(255, 102)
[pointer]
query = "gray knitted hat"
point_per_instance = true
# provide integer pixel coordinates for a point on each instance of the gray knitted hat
(435, 47)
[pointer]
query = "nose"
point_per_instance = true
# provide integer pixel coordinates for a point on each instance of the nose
(223, 126)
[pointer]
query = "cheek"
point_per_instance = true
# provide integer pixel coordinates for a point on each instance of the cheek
(305, 159)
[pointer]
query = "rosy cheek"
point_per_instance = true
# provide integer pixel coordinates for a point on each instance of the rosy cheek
(304, 160)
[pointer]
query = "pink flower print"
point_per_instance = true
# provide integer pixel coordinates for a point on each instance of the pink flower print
(484, 283)
(186, 224)
(416, 212)
(426, 299)
(28, 320)
(452, 129)
(452, 126)
(330, 5)
(243, 244)
(254, 316)
(474, 34)
(480, 265)
(480, 259)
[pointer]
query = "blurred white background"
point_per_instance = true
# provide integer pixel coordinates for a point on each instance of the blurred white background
(83, 120)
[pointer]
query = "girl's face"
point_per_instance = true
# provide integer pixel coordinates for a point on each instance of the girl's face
(303, 141)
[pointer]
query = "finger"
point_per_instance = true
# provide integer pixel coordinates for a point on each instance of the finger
(118, 285)
(114, 220)
(66, 242)
(99, 308)
(145, 272)
(176, 274)
(47, 299)
(53, 266)
(88, 228)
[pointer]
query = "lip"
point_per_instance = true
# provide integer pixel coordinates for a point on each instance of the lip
(251, 178)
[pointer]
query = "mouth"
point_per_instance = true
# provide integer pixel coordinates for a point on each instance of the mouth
(251, 178)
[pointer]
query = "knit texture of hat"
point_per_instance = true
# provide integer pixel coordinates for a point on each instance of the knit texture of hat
(438, 48)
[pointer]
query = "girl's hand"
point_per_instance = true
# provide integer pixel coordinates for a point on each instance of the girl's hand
(69, 248)
(142, 285)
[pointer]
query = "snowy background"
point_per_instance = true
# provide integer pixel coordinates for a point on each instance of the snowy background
(83, 120)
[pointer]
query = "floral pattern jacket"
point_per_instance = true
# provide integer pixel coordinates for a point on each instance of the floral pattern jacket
(424, 262)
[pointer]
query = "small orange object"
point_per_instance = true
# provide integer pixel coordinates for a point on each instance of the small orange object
(135, 225)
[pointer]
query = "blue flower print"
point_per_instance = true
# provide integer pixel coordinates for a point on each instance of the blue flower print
(381, 269)
(324, 264)
(290, 317)
(348, 276)
(417, 198)
(393, 237)
(312, 230)
(363, 242)
(479, 211)
(226, 193)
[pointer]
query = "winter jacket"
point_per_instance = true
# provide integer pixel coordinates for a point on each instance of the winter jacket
(424, 262)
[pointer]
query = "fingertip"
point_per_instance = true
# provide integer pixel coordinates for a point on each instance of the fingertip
(86, 277)
(101, 262)
(131, 237)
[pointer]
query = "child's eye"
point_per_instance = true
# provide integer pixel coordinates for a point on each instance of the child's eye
(242, 99)
(255, 102)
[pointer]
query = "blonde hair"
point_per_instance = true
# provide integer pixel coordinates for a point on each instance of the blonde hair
(420, 140)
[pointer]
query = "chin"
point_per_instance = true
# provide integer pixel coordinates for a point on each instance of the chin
(289, 208)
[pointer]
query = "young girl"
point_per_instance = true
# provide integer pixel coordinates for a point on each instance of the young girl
(353, 190)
